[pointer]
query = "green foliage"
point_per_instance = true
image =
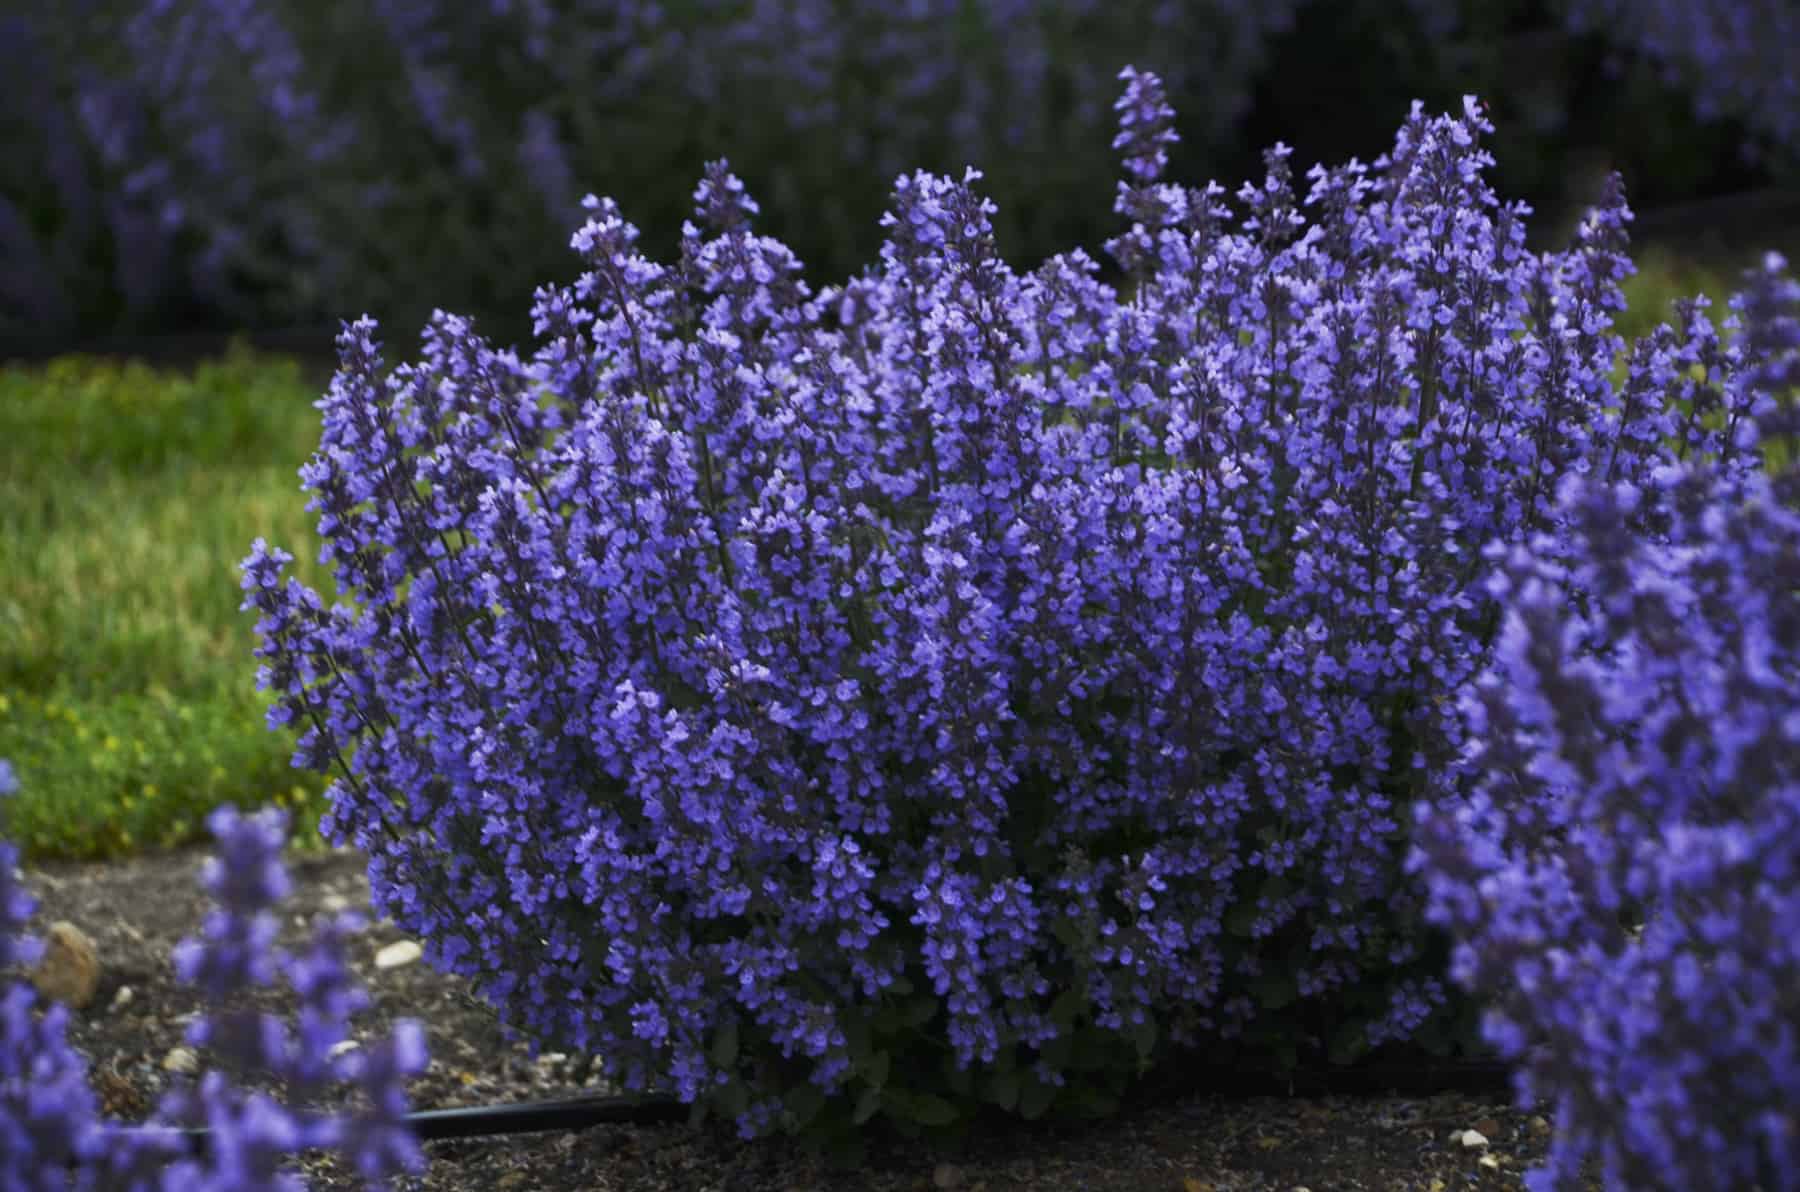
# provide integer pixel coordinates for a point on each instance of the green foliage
(1663, 277)
(127, 698)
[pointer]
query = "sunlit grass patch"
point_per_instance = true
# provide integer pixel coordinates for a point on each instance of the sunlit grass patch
(127, 497)
(1660, 280)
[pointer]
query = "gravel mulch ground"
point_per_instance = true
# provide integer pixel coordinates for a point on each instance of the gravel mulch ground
(136, 910)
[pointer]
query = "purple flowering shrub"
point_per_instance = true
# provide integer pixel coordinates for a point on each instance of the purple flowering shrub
(51, 1134)
(1623, 881)
(956, 685)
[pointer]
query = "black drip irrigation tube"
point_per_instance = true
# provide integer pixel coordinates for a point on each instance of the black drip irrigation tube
(482, 1121)
(1402, 1077)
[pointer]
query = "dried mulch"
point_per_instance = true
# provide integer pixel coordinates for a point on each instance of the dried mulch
(135, 910)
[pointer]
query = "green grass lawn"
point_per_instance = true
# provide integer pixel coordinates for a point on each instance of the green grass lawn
(127, 498)
(127, 685)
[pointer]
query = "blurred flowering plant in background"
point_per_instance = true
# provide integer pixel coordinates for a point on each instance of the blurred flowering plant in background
(1736, 57)
(272, 163)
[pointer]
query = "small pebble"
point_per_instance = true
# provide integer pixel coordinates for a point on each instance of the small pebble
(397, 954)
(181, 1059)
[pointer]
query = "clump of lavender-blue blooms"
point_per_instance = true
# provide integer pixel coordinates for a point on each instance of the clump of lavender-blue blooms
(1624, 879)
(910, 694)
(51, 1134)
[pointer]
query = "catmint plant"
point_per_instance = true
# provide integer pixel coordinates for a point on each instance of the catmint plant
(1623, 880)
(51, 1135)
(956, 684)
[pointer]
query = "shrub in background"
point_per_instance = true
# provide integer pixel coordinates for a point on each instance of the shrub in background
(271, 162)
(1573, 97)
(50, 1133)
(1736, 57)
(1624, 880)
(299, 160)
(951, 686)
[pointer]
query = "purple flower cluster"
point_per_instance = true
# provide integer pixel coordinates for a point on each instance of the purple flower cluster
(754, 675)
(1624, 879)
(50, 1133)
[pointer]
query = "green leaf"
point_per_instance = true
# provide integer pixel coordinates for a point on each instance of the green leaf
(896, 1105)
(1241, 917)
(857, 1039)
(803, 1102)
(1144, 1035)
(1056, 1052)
(1091, 1102)
(960, 1080)
(1349, 1043)
(867, 1106)
(732, 1098)
(1003, 1089)
(724, 1050)
(1035, 1097)
(919, 1010)
(1067, 1007)
(1274, 990)
(930, 1110)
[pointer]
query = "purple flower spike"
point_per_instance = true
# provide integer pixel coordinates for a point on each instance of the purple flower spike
(50, 1132)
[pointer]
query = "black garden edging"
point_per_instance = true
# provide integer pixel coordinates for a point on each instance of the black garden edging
(1412, 1077)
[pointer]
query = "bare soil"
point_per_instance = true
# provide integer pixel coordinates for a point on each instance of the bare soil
(137, 909)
